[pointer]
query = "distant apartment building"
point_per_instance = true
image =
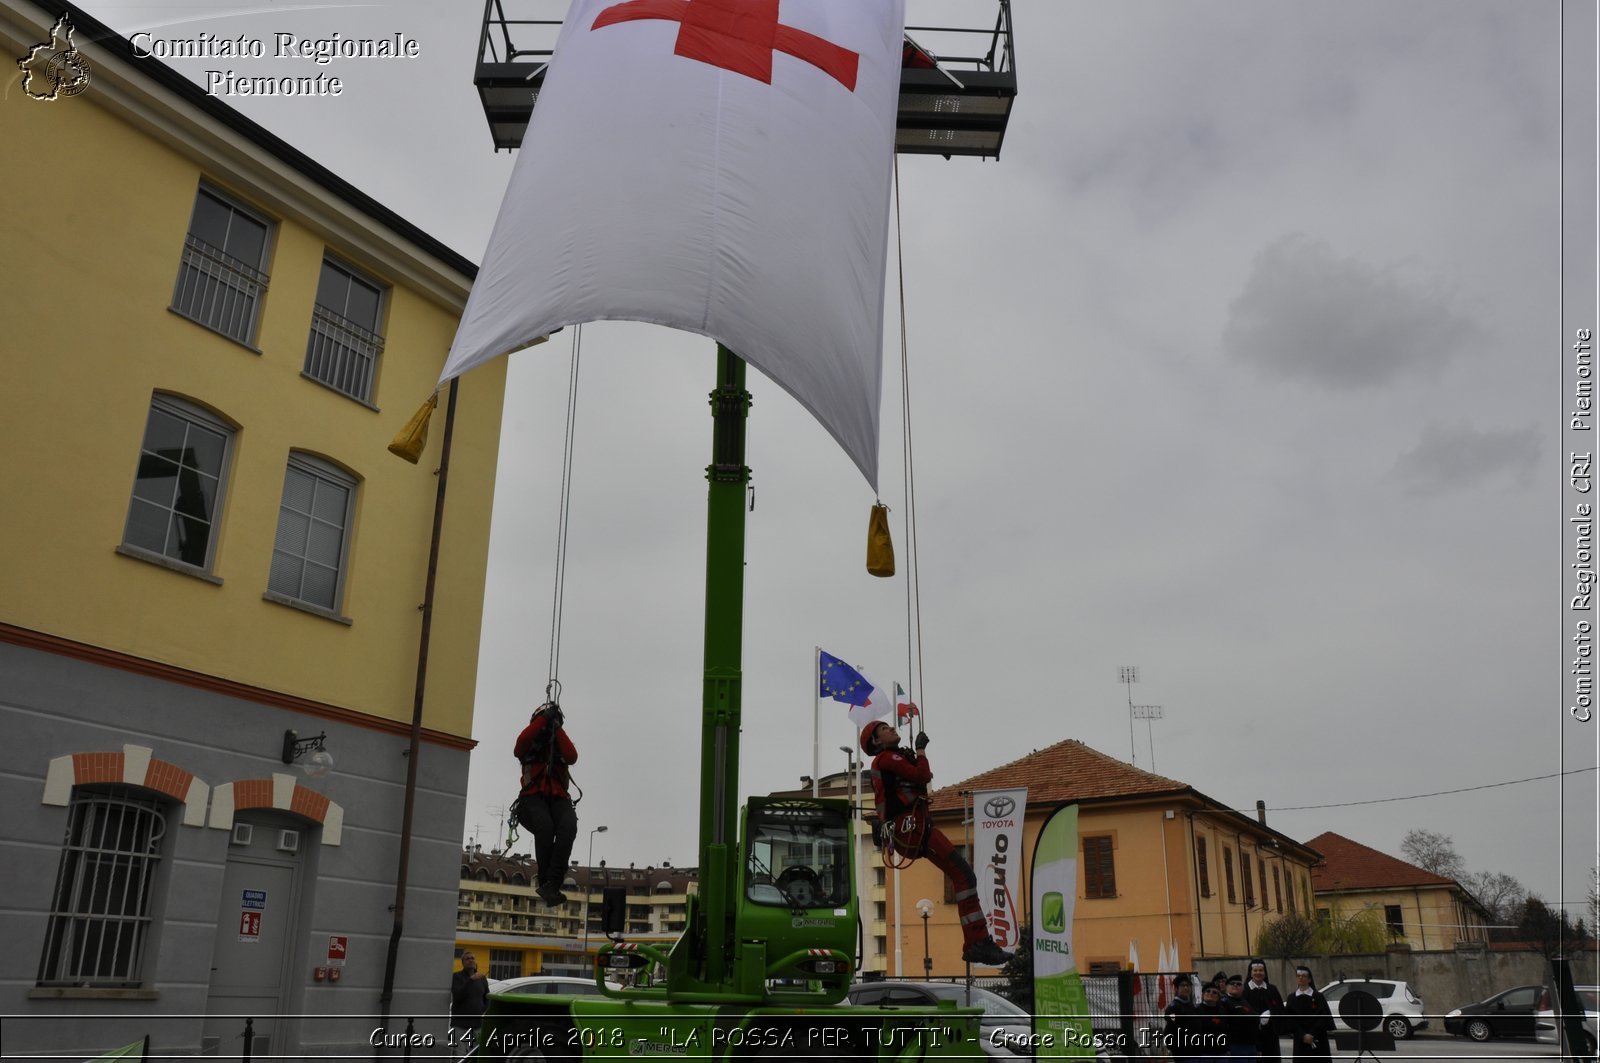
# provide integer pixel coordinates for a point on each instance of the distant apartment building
(514, 933)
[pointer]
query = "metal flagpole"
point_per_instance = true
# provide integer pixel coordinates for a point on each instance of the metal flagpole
(899, 958)
(816, 715)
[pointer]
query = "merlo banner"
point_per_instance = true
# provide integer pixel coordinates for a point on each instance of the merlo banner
(1060, 1006)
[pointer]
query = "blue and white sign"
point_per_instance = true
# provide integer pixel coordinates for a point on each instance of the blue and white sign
(254, 899)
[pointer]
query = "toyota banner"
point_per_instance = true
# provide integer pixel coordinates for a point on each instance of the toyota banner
(997, 860)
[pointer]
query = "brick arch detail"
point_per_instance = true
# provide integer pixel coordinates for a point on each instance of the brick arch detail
(131, 766)
(282, 792)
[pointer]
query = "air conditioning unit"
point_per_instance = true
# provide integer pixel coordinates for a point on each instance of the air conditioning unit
(288, 841)
(242, 833)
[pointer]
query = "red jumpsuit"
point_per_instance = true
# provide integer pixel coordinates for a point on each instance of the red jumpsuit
(900, 782)
(544, 807)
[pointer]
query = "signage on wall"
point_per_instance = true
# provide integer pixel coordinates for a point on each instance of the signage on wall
(249, 926)
(254, 899)
(338, 945)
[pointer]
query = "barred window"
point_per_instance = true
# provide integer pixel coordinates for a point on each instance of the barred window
(1249, 885)
(308, 554)
(1099, 869)
(342, 350)
(1227, 872)
(1261, 870)
(1205, 866)
(221, 278)
(100, 912)
(505, 963)
(1277, 889)
(177, 491)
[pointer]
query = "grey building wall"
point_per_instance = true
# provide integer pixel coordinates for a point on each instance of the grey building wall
(53, 706)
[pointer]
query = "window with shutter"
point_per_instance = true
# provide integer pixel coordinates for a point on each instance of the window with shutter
(1099, 870)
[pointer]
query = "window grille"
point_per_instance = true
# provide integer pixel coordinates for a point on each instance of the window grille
(343, 347)
(100, 912)
(1277, 889)
(1261, 872)
(1227, 872)
(1249, 883)
(505, 963)
(220, 278)
(1205, 869)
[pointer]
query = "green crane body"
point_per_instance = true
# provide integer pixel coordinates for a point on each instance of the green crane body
(769, 946)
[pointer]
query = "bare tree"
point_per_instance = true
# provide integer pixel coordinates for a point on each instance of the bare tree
(1497, 891)
(1434, 852)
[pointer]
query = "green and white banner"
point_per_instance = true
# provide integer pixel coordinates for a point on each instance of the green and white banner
(1060, 1007)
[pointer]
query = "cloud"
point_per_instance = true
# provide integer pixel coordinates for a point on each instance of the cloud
(1306, 314)
(1456, 457)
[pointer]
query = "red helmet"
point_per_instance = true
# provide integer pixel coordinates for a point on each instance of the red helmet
(868, 745)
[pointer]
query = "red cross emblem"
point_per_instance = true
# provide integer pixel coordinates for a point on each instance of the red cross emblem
(737, 35)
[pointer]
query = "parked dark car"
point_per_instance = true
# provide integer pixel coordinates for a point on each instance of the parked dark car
(1508, 1013)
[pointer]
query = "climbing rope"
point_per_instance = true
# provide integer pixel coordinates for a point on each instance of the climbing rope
(913, 580)
(552, 690)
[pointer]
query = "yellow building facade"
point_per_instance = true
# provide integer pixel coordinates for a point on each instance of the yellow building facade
(1421, 909)
(1174, 868)
(210, 340)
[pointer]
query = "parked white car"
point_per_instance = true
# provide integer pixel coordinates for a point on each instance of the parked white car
(1403, 1014)
(1544, 1019)
(549, 985)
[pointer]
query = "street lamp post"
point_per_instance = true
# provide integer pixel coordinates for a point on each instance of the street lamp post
(588, 888)
(925, 906)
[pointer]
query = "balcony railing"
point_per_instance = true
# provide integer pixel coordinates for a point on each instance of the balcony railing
(217, 290)
(342, 354)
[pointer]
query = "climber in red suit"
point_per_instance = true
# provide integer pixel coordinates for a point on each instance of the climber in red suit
(900, 782)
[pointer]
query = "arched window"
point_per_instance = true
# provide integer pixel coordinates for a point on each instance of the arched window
(100, 910)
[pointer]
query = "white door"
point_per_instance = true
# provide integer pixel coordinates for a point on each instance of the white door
(257, 927)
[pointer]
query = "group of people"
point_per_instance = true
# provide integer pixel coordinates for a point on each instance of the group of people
(1245, 1016)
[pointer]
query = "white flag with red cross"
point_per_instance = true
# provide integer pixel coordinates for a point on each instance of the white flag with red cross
(718, 166)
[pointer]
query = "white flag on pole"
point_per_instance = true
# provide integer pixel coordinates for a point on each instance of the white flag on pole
(718, 166)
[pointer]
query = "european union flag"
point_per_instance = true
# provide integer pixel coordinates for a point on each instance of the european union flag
(841, 682)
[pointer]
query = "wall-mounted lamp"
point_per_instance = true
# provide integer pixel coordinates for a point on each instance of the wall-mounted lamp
(320, 762)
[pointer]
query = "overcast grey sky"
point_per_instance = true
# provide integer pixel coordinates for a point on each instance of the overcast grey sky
(1243, 365)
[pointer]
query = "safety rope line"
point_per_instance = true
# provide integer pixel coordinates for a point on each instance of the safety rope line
(552, 690)
(913, 579)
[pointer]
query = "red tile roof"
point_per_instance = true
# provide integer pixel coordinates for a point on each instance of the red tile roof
(1348, 865)
(1066, 771)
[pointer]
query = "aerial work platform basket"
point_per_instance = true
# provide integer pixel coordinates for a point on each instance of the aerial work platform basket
(957, 84)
